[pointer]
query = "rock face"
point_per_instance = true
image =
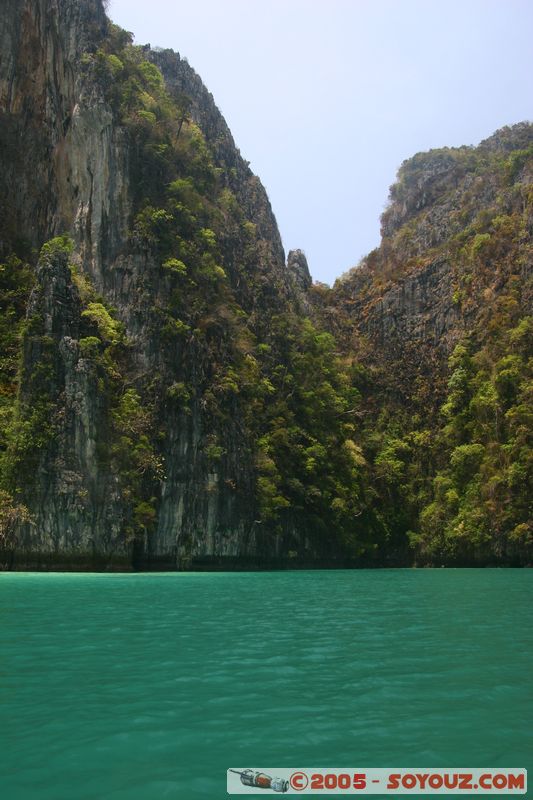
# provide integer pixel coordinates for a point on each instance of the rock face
(299, 269)
(439, 316)
(426, 287)
(66, 167)
(172, 396)
(181, 79)
(75, 500)
(56, 133)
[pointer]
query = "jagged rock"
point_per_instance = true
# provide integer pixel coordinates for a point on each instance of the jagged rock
(420, 292)
(70, 163)
(299, 269)
(66, 167)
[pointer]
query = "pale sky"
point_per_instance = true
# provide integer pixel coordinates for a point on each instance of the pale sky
(326, 99)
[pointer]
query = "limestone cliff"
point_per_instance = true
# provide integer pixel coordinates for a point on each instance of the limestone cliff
(456, 232)
(173, 395)
(70, 165)
(441, 317)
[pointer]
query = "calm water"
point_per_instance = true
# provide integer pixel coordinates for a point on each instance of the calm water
(150, 686)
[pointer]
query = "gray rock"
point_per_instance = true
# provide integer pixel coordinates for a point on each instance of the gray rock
(299, 269)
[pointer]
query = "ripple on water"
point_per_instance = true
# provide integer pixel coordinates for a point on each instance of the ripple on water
(150, 686)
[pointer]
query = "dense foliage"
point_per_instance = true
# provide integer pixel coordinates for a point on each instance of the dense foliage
(481, 498)
(341, 443)
(450, 450)
(275, 369)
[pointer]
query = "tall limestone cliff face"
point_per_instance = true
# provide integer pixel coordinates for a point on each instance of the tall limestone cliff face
(455, 236)
(172, 395)
(441, 317)
(60, 152)
(135, 338)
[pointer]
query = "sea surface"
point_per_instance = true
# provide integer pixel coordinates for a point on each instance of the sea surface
(149, 686)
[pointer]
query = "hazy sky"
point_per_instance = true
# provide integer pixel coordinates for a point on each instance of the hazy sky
(326, 99)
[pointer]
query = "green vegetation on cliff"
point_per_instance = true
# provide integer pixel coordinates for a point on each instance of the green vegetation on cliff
(450, 448)
(183, 372)
(481, 497)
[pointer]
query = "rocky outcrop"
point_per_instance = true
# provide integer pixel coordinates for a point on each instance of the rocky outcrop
(183, 81)
(45, 118)
(66, 168)
(299, 269)
(176, 408)
(419, 308)
(75, 502)
(447, 244)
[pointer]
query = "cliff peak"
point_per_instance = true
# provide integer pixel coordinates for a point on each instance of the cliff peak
(299, 269)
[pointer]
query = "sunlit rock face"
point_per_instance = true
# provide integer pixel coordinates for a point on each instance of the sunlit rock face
(299, 269)
(430, 283)
(67, 168)
(153, 417)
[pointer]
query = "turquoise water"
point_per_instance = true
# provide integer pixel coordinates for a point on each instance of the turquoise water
(150, 686)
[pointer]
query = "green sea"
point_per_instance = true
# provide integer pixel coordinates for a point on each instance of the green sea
(148, 686)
